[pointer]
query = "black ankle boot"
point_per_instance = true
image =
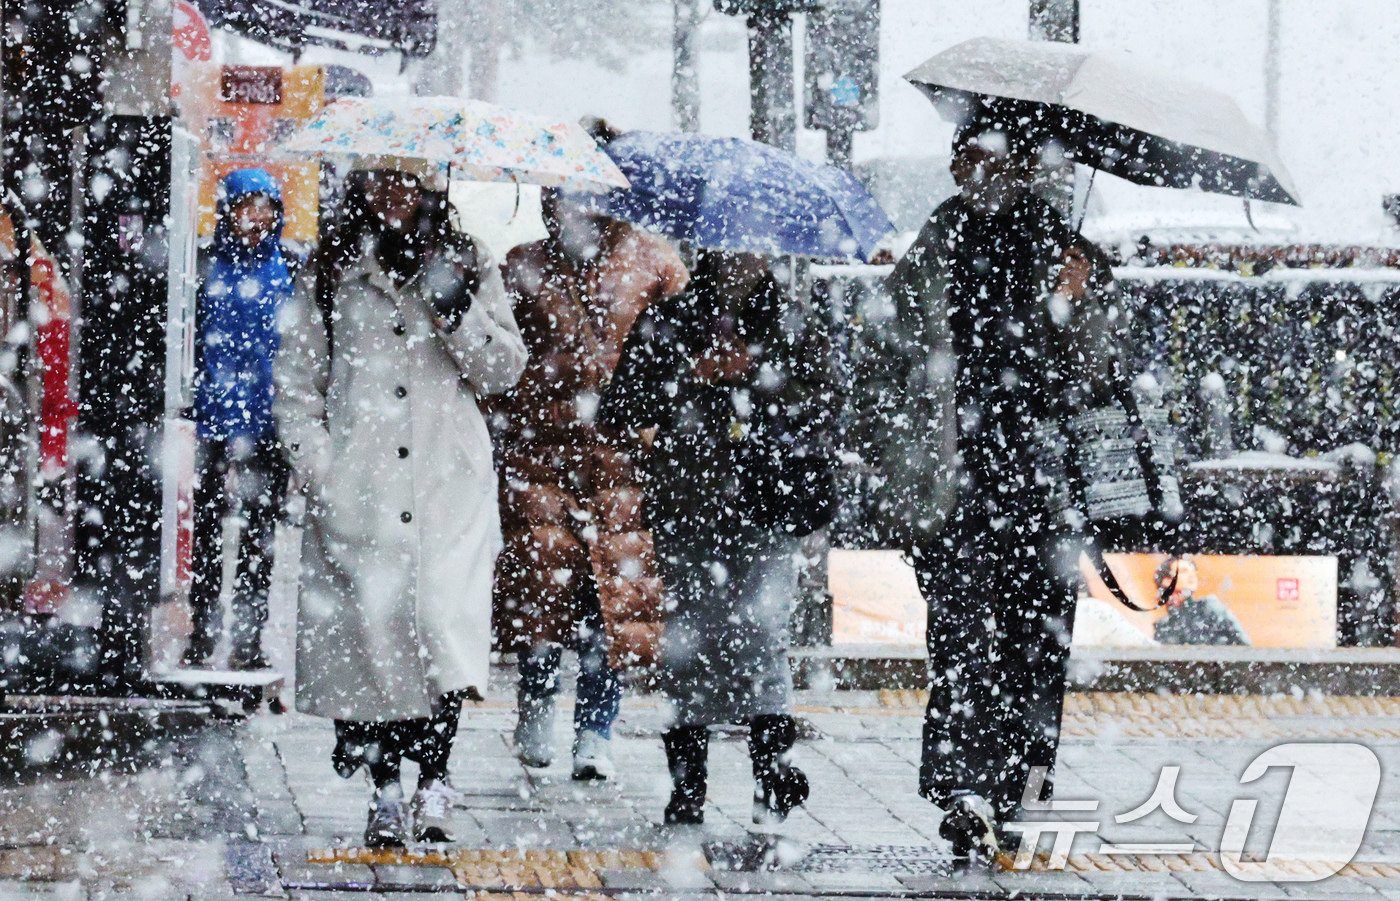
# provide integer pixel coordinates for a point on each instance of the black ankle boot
(687, 753)
(970, 826)
(779, 787)
(199, 650)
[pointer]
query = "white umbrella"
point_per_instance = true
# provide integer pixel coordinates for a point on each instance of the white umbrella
(1111, 113)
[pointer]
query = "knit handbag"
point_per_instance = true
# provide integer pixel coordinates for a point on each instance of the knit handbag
(1112, 470)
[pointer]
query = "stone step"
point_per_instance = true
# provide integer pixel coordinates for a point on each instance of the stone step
(1175, 670)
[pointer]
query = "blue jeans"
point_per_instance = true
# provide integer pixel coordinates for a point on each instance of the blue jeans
(599, 688)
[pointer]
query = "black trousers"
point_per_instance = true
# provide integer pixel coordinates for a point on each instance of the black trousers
(382, 746)
(1000, 595)
(262, 480)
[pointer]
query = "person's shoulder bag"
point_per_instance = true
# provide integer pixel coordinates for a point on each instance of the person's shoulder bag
(1112, 470)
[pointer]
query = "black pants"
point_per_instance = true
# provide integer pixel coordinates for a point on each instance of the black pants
(1001, 605)
(262, 480)
(382, 746)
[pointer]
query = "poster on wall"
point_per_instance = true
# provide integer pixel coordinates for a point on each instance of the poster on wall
(1256, 601)
(1267, 602)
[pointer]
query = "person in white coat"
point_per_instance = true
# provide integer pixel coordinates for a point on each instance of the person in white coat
(396, 331)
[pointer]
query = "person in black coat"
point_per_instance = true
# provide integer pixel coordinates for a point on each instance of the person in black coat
(1001, 322)
(738, 390)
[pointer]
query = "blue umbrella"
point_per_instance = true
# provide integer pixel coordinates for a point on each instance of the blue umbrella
(731, 194)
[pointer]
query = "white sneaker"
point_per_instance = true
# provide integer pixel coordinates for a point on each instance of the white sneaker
(593, 757)
(388, 816)
(430, 806)
(455, 796)
(534, 732)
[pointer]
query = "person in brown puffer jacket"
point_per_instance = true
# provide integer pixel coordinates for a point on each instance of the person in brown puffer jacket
(578, 568)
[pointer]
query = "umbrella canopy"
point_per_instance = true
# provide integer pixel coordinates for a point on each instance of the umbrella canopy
(731, 194)
(480, 141)
(501, 216)
(1112, 114)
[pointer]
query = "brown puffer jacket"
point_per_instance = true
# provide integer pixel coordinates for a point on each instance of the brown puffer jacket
(571, 495)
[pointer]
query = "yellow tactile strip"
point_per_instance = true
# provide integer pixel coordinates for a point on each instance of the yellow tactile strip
(1230, 705)
(501, 872)
(1128, 715)
(504, 873)
(1202, 862)
(904, 698)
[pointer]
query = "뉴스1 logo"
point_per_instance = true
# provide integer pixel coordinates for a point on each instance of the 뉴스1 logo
(1288, 590)
(1322, 822)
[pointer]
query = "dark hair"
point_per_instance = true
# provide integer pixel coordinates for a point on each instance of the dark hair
(1164, 569)
(759, 315)
(599, 129)
(357, 229)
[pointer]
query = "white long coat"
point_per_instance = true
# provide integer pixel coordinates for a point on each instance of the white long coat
(402, 528)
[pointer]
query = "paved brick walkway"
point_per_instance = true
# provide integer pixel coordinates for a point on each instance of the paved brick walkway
(865, 828)
(255, 807)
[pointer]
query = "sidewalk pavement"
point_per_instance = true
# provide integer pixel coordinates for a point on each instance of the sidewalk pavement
(254, 808)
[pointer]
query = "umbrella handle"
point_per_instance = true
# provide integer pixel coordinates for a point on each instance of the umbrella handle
(1088, 192)
(515, 212)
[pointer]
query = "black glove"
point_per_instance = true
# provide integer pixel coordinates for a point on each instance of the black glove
(450, 281)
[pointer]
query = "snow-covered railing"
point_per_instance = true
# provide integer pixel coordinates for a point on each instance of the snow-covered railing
(1342, 275)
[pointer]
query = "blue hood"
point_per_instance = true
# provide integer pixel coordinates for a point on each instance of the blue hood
(233, 187)
(237, 337)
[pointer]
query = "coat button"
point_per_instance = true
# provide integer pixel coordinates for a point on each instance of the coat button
(406, 516)
(401, 391)
(403, 452)
(399, 329)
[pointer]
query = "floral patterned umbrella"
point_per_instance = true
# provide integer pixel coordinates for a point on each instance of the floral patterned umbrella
(479, 141)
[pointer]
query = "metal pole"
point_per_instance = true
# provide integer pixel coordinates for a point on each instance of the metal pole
(838, 146)
(685, 80)
(1272, 73)
(1054, 20)
(484, 62)
(440, 72)
(772, 113)
(1058, 21)
(13, 150)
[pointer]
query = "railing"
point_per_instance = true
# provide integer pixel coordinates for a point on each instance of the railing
(1294, 362)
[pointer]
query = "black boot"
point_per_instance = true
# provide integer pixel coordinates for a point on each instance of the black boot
(199, 650)
(249, 614)
(779, 787)
(687, 753)
(970, 826)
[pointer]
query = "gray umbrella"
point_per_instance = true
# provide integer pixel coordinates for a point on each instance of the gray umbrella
(1112, 114)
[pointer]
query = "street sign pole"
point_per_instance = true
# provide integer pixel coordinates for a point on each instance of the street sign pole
(1058, 21)
(685, 80)
(1054, 20)
(841, 73)
(772, 101)
(772, 110)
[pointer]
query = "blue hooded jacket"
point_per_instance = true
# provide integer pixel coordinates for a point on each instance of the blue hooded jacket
(237, 336)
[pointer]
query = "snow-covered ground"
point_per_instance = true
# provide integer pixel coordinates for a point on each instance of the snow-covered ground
(1338, 131)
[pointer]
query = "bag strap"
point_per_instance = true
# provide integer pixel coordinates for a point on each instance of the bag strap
(1096, 557)
(1152, 478)
(1142, 441)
